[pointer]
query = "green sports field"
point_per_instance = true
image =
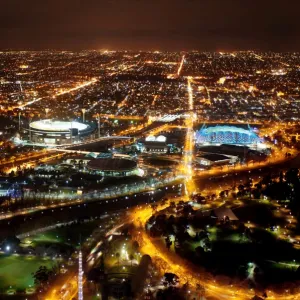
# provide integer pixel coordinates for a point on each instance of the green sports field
(65, 235)
(16, 271)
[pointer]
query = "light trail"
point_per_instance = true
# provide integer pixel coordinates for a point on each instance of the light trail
(156, 97)
(94, 105)
(63, 92)
(80, 86)
(154, 100)
(186, 166)
(49, 68)
(124, 68)
(73, 285)
(190, 92)
(258, 57)
(123, 103)
(180, 65)
(123, 117)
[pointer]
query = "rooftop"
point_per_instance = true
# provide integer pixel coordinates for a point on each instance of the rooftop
(111, 164)
(61, 126)
(214, 156)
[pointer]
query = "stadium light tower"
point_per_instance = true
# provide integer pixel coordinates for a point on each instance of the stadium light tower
(83, 114)
(99, 132)
(20, 84)
(19, 114)
(46, 111)
(80, 275)
(71, 132)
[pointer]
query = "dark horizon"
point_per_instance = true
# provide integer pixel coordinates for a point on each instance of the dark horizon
(178, 25)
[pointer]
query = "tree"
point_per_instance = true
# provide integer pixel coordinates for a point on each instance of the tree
(170, 279)
(94, 275)
(154, 208)
(102, 265)
(42, 276)
(222, 194)
(168, 242)
(171, 292)
(200, 290)
(241, 189)
(135, 246)
(118, 257)
(131, 257)
(172, 204)
(80, 164)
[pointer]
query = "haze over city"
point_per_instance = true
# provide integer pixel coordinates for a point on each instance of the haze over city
(174, 25)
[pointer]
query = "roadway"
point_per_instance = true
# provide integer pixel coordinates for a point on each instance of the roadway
(185, 270)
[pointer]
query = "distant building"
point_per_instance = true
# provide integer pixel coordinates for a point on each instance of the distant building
(140, 276)
(212, 159)
(237, 151)
(154, 145)
(226, 134)
(80, 159)
(220, 213)
(113, 167)
(58, 132)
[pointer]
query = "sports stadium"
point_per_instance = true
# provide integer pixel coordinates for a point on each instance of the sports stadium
(58, 132)
(113, 167)
(226, 134)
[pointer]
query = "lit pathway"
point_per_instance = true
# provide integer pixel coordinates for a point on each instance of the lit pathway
(186, 271)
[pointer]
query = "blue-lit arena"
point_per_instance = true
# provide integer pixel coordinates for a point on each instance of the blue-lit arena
(226, 134)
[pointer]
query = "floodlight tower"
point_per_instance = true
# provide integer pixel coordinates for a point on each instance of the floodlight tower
(20, 84)
(19, 114)
(47, 111)
(83, 114)
(71, 132)
(99, 130)
(21, 93)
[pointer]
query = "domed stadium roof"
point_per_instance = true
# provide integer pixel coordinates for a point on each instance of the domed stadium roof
(226, 128)
(57, 126)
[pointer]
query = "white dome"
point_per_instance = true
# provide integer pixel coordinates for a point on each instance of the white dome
(161, 138)
(150, 138)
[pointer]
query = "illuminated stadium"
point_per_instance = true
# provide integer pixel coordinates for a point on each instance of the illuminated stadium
(58, 132)
(113, 167)
(226, 134)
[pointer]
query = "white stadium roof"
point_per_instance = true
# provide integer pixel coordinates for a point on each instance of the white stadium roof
(58, 126)
(152, 138)
(225, 128)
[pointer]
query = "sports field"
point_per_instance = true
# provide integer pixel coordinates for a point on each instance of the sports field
(16, 271)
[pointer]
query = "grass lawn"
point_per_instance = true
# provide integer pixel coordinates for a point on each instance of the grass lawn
(122, 269)
(16, 271)
(160, 162)
(66, 235)
(261, 214)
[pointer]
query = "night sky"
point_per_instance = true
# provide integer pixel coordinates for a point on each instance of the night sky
(150, 24)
